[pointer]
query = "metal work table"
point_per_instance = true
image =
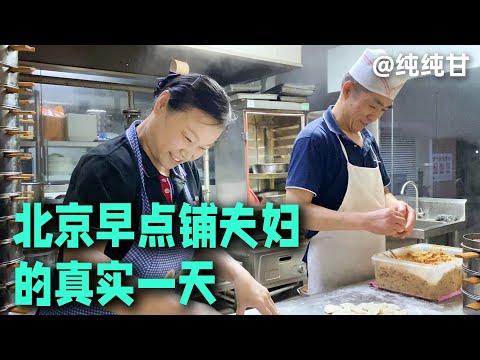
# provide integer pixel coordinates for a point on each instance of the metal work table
(362, 293)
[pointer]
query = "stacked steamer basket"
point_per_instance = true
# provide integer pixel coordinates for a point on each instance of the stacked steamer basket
(11, 196)
(471, 267)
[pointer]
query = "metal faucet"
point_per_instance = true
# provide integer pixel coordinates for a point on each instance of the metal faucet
(417, 214)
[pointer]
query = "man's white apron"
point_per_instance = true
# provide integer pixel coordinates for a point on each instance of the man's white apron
(342, 257)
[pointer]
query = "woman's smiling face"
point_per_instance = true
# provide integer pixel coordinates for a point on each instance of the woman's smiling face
(182, 135)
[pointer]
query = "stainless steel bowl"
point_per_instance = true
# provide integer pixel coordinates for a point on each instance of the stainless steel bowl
(472, 241)
(276, 197)
(273, 168)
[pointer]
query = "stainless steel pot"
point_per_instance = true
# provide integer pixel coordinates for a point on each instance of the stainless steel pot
(48, 257)
(35, 190)
(7, 272)
(9, 251)
(10, 100)
(471, 283)
(473, 273)
(7, 118)
(7, 75)
(8, 140)
(471, 258)
(11, 182)
(10, 160)
(9, 115)
(272, 168)
(9, 227)
(470, 303)
(7, 205)
(11, 203)
(10, 137)
(7, 98)
(9, 53)
(472, 241)
(7, 296)
(6, 309)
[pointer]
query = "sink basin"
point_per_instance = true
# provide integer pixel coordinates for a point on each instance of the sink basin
(426, 228)
(426, 224)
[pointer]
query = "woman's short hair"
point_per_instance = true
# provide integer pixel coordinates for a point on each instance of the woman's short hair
(196, 91)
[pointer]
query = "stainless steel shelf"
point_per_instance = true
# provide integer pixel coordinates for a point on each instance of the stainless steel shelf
(268, 176)
(64, 144)
(269, 105)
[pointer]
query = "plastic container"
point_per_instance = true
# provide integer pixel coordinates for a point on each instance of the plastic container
(420, 280)
(81, 127)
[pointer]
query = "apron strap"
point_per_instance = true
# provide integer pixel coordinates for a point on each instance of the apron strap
(375, 157)
(134, 143)
(343, 148)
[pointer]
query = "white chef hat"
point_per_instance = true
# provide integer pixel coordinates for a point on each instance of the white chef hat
(362, 71)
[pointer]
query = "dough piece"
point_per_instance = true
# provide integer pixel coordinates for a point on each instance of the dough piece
(329, 309)
(358, 310)
(347, 305)
(373, 309)
(388, 306)
(370, 308)
(388, 309)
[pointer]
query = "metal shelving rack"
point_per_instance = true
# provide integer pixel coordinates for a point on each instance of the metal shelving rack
(40, 144)
(263, 133)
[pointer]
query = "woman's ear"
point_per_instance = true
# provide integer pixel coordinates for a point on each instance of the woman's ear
(162, 101)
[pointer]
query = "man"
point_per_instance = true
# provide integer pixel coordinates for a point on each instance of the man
(337, 177)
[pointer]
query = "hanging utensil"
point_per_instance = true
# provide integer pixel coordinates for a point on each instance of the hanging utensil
(393, 254)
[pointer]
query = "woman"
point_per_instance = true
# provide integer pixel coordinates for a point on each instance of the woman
(153, 162)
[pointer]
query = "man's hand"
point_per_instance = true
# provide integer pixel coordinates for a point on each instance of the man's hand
(410, 216)
(403, 208)
(386, 222)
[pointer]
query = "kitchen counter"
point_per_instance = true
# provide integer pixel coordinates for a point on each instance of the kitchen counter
(364, 293)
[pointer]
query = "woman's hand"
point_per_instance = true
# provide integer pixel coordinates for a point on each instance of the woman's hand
(250, 293)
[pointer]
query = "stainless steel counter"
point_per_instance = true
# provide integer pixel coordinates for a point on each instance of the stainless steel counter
(361, 293)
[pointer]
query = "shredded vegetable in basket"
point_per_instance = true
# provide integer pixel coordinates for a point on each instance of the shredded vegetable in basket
(427, 257)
